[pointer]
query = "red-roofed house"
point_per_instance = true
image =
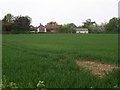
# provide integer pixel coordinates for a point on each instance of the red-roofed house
(47, 28)
(51, 27)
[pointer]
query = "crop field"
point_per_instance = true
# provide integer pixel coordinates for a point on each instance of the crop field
(28, 58)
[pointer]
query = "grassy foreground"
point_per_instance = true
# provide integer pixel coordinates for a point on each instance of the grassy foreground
(28, 58)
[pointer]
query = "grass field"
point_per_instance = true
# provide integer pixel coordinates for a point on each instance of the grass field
(28, 58)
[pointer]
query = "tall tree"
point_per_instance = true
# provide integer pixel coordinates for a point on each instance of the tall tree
(112, 25)
(92, 26)
(9, 18)
(101, 27)
(7, 23)
(71, 27)
(67, 28)
(22, 24)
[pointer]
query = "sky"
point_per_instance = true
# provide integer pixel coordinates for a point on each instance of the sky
(61, 11)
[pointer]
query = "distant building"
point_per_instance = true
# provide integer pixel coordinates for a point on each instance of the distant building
(41, 28)
(47, 28)
(81, 30)
(51, 27)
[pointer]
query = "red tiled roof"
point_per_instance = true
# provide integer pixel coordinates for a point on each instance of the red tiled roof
(51, 26)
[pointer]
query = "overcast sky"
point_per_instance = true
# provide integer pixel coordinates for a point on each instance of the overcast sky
(61, 11)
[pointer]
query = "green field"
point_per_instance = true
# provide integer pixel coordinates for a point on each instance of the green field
(28, 58)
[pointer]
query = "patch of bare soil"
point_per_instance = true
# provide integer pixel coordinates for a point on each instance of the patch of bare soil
(97, 69)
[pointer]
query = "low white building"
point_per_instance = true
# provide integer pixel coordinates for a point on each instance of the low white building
(81, 30)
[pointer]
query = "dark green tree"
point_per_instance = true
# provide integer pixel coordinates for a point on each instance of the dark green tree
(113, 25)
(7, 23)
(92, 26)
(67, 28)
(63, 29)
(71, 27)
(21, 24)
(9, 18)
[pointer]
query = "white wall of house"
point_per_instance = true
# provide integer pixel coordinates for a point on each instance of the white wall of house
(45, 30)
(38, 30)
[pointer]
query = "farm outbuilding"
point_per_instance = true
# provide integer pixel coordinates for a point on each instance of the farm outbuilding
(81, 30)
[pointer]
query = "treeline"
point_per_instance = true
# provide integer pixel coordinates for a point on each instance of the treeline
(111, 27)
(67, 28)
(17, 24)
(22, 24)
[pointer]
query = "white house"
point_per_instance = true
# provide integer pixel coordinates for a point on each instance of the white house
(41, 28)
(81, 30)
